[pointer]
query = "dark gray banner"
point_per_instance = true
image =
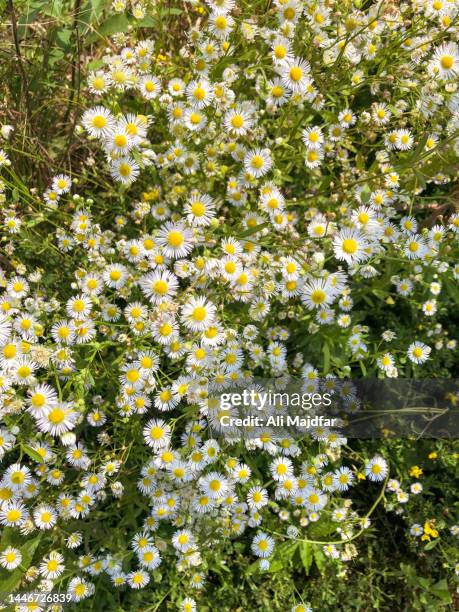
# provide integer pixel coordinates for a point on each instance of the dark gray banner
(330, 407)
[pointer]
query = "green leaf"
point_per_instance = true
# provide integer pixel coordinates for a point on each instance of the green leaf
(63, 37)
(441, 590)
(306, 554)
(170, 11)
(33, 454)
(146, 22)
(320, 559)
(253, 230)
(53, 8)
(95, 64)
(432, 544)
(365, 194)
(9, 581)
(283, 554)
(10, 537)
(97, 7)
(326, 352)
(113, 25)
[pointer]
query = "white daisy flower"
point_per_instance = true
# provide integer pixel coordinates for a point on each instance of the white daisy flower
(98, 121)
(418, 352)
(198, 314)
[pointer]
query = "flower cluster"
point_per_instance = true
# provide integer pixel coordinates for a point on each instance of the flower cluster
(267, 190)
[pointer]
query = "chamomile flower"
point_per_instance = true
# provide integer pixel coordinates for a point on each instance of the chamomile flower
(52, 566)
(313, 138)
(445, 61)
(257, 497)
(17, 476)
(313, 158)
(57, 419)
(404, 140)
(125, 170)
(418, 352)
(44, 516)
(281, 49)
(79, 306)
(343, 479)
(346, 118)
(17, 287)
(220, 24)
(262, 545)
(159, 286)
(238, 121)
(98, 121)
(296, 74)
(415, 247)
(149, 86)
(198, 314)
(61, 183)
(317, 293)
(258, 162)
(134, 126)
(214, 485)
(10, 558)
(98, 82)
(278, 93)
(376, 469)
(175, 239)
(200, 210)
(350, 245)
(381, 114)
(41, 398)
(199, 93)
(23, 369)
(195, 120)
(149, 557)
(80, 589)
(13, 513)
(176, 87)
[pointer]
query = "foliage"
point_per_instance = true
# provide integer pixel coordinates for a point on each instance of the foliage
(198, 195)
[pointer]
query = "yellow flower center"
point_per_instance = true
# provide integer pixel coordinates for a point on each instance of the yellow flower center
(350, 246)
(280, 52)
(199, 313)
(125, 169)
(99, 121)
(56, 416)
(13, 515)
(24, 371)
(257, 162)
(133, 375)
(215, 485)
(221, 22)
(156, 433)
(161, 287)
(296, 73)
(318, 296)
(175, 238)
(199, 93)
(165, 330)
(198, 209)
(447, 62)
(78, 305)
(9, 351)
